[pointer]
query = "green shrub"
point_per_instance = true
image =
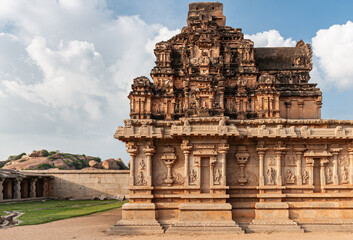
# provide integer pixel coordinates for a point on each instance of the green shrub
(16, 157)
(97, 159)
(52, 152)
(44, 166)
(45, 153)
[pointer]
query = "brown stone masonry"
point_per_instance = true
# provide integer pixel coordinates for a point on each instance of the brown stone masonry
(228, 137)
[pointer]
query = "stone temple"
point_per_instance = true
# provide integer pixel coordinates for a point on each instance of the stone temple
(229, 138)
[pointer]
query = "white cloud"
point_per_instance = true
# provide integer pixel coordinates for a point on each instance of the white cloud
(271, 38)
(65, 71)
(334, 49)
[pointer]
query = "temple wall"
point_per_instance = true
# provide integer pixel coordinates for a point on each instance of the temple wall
(87, 183)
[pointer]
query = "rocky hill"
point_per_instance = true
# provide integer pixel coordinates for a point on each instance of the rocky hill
(41, 160)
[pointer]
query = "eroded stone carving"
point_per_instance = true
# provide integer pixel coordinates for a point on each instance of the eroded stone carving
(344, 174)
(328, 176)
(290, 177)
(270, 176)
(169, 159)
(305, 177)
(193, 176)
(217, 176)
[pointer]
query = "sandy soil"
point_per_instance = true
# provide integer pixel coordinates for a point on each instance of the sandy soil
(93, 227)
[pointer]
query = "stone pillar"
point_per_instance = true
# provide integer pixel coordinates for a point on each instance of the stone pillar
(279, 167)
(323, 163)
(301, 106)
(33, 193)
(310, 165)
(1, 188)
(223, 149)
(132, 150)
(299, 155)
(288, 105)
(350, 150)
(335, 152)
(17, 188)
(261, 152)
(149, 151)
(186, 150)
(46, 187)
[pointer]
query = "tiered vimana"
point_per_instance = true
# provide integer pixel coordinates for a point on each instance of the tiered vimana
(228, 135)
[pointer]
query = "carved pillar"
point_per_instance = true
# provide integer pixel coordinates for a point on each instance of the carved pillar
(323, 163)
(301, 106)
(279, 150)
(33, 193)
(17, 188)
(299, 155)
(310, 165)
(242, 156)
(223, 149)
(213, 161)
(288, 105)
(335, 152)
(261, 152)
(186, 150)
(350, 150)
(132, 150)
(149, 151)
(1, 188)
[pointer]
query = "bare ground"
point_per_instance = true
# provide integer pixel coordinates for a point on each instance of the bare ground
(93, 227)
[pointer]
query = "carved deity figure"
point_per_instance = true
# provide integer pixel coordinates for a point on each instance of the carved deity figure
(305, 177)
(344, 174)
(142, 165)
(217, 176)
(329, 176)
(271, 176)
(193, 176)
(141, 179)
(290, 177)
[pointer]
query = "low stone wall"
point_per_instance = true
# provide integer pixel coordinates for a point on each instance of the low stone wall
(87, 183)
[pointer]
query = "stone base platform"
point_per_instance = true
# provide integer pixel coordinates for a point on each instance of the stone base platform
(135, 228)
(137, 219)
(259, 226)
(205, 228)
(205, 218)
(327, 227)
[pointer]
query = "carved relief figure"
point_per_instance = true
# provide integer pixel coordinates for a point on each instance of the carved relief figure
(344, 174)
(193, 176)
(329, 176)
(217, 176)
(271, 176)
(142, 165)
(290, 177)
(305, 177)
(141, 179)
(272, 161)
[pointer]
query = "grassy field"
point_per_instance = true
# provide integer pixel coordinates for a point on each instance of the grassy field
(51, 210)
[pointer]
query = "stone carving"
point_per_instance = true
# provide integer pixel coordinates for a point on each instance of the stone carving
(290, 160)
(305, 131)
(142, 165)
(242, 158)
(344, 174)
(328, 176)
(250, 177)
(161, 179)
(193, 176)
(305, 177)
(169, 159)
(344, 161)
(141, 179)
(217, 174)
(272, 161)
(270, 176)
(290, 177)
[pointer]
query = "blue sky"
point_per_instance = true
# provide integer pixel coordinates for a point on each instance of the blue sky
(66, 65)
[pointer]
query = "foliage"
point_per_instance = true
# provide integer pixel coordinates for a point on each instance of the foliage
(43, 166)
(51, 210)
(44, 153)
(97, 159)
(15, 157)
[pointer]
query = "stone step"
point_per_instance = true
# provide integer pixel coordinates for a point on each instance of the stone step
(205, 228)
(328, 227)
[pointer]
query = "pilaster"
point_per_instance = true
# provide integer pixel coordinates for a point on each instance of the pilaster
(149, 150)
(186, 148)
(335, 152)
(261, 151)
(299, 154)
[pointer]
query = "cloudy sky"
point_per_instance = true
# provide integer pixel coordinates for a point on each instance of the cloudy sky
(66, 65)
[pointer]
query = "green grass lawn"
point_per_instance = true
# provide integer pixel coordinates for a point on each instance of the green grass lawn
(51, 210)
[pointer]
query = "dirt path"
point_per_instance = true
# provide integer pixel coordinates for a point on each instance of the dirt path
(92, 227)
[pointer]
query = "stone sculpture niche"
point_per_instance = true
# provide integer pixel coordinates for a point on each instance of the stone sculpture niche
(169, 159)
(242, 157)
